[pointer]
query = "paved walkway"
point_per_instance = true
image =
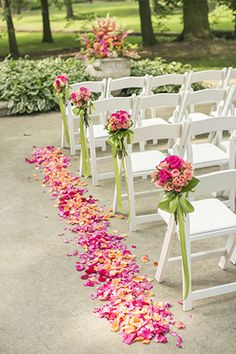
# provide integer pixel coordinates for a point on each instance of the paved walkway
(44, 308)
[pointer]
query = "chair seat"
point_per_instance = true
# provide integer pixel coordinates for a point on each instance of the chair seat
(152, 121)
(208, 154)
(210, 216)
(145, 161)
(201, 116)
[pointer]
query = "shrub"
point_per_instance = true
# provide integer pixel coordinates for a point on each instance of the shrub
(27, 84)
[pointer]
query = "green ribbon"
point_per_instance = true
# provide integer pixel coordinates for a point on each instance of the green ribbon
(179, 205)
(64, 119)
(117, 178)
(84, 148)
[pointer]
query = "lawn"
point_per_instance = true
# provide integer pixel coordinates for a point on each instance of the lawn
(29, 27)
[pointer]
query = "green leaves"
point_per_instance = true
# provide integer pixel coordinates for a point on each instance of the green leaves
(27, 84)
(192, 184)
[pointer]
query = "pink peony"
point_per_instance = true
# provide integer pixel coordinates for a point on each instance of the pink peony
(175, 162)
(164, 175)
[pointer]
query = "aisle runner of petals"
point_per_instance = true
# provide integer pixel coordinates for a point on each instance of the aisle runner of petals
(105, 261)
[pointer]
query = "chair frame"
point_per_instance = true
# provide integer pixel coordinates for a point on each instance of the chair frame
(209, 183)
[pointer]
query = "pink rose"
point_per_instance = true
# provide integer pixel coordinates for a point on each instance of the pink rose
(169, 186)
(164, 176)
(175, 172)
(175, 162)
(188, 173)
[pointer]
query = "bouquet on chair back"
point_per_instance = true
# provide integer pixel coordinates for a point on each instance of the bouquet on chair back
(83, 102)
(119, 126)
(61, 91)
(175, 177)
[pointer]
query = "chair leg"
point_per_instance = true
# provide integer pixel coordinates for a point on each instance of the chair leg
(103, 146)
(187, 303)
(72, 145)
(230, 247)
(142, 146)
(163, 260)
(233, 258)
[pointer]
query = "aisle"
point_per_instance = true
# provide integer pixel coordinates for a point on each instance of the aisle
(45, 308)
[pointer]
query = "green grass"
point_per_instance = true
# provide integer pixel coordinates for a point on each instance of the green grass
(127, 15)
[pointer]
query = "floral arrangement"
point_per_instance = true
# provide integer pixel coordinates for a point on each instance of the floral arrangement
(118, 126)
(61, 91)
(83, 102)
(60, 85)
(119, 130)
(175, 176)
(107, 40)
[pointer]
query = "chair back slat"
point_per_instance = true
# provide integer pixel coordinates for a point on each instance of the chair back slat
(94, 86)
(157, 131)
(215, 182)
(168, 79)
(113, 104)
(212, 124)
(158, 100)
(206, 96)
(207, 75)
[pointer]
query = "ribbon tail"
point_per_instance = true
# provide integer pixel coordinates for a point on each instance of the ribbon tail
(117, 179)
(84, 150)
(64, 120)
(180, 220)
(127, 186)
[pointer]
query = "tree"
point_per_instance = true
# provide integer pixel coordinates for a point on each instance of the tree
(195, 18)
(146, 23)
(47, 34)
(232, 5)
(13, 48)
(69, 9)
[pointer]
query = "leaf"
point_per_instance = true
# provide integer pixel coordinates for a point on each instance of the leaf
(192, 184)
(173, 205)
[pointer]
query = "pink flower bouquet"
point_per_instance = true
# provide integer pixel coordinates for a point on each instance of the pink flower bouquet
(118, 126)
(60, 85)
(83, 102)
(175, 177)
(106, 40)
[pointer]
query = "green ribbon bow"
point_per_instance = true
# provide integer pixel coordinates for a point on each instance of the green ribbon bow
(178, 204)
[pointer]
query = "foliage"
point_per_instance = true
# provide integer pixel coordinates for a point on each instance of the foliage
(160, 66)
(28, 84)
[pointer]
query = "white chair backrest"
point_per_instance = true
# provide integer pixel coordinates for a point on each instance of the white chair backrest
(218, 181)
(230, 100)
(165, 80)
(211, 124)
(126, 82)
(217, 76)
(157, 131)
(94, 86)
(231, 75)
(207, 96)
(111, 105)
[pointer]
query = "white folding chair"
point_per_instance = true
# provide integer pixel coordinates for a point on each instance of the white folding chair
(97, 132)
(211, 218)
(208, 154)
(155, 82)
(143, 163)
(129, 82)
(230, 78)
(97, 87)
(215, 98)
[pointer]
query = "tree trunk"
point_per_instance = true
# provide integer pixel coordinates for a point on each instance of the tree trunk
(146, 23)
(47, 34)
(18, 6)
(195, 16)
(69, 9)
(13, 48)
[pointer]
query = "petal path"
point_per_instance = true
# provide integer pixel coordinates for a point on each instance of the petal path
(105, 261)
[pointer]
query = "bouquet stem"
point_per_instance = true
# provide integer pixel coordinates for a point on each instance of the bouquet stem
(84, 149)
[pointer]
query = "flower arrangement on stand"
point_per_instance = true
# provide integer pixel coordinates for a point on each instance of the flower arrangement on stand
(83, 102)
(175, 177)
(61, 91)
(119, 126)
(107, 40)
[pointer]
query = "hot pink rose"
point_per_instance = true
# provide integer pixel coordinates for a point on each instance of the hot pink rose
(174, 162)
(164, 176)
